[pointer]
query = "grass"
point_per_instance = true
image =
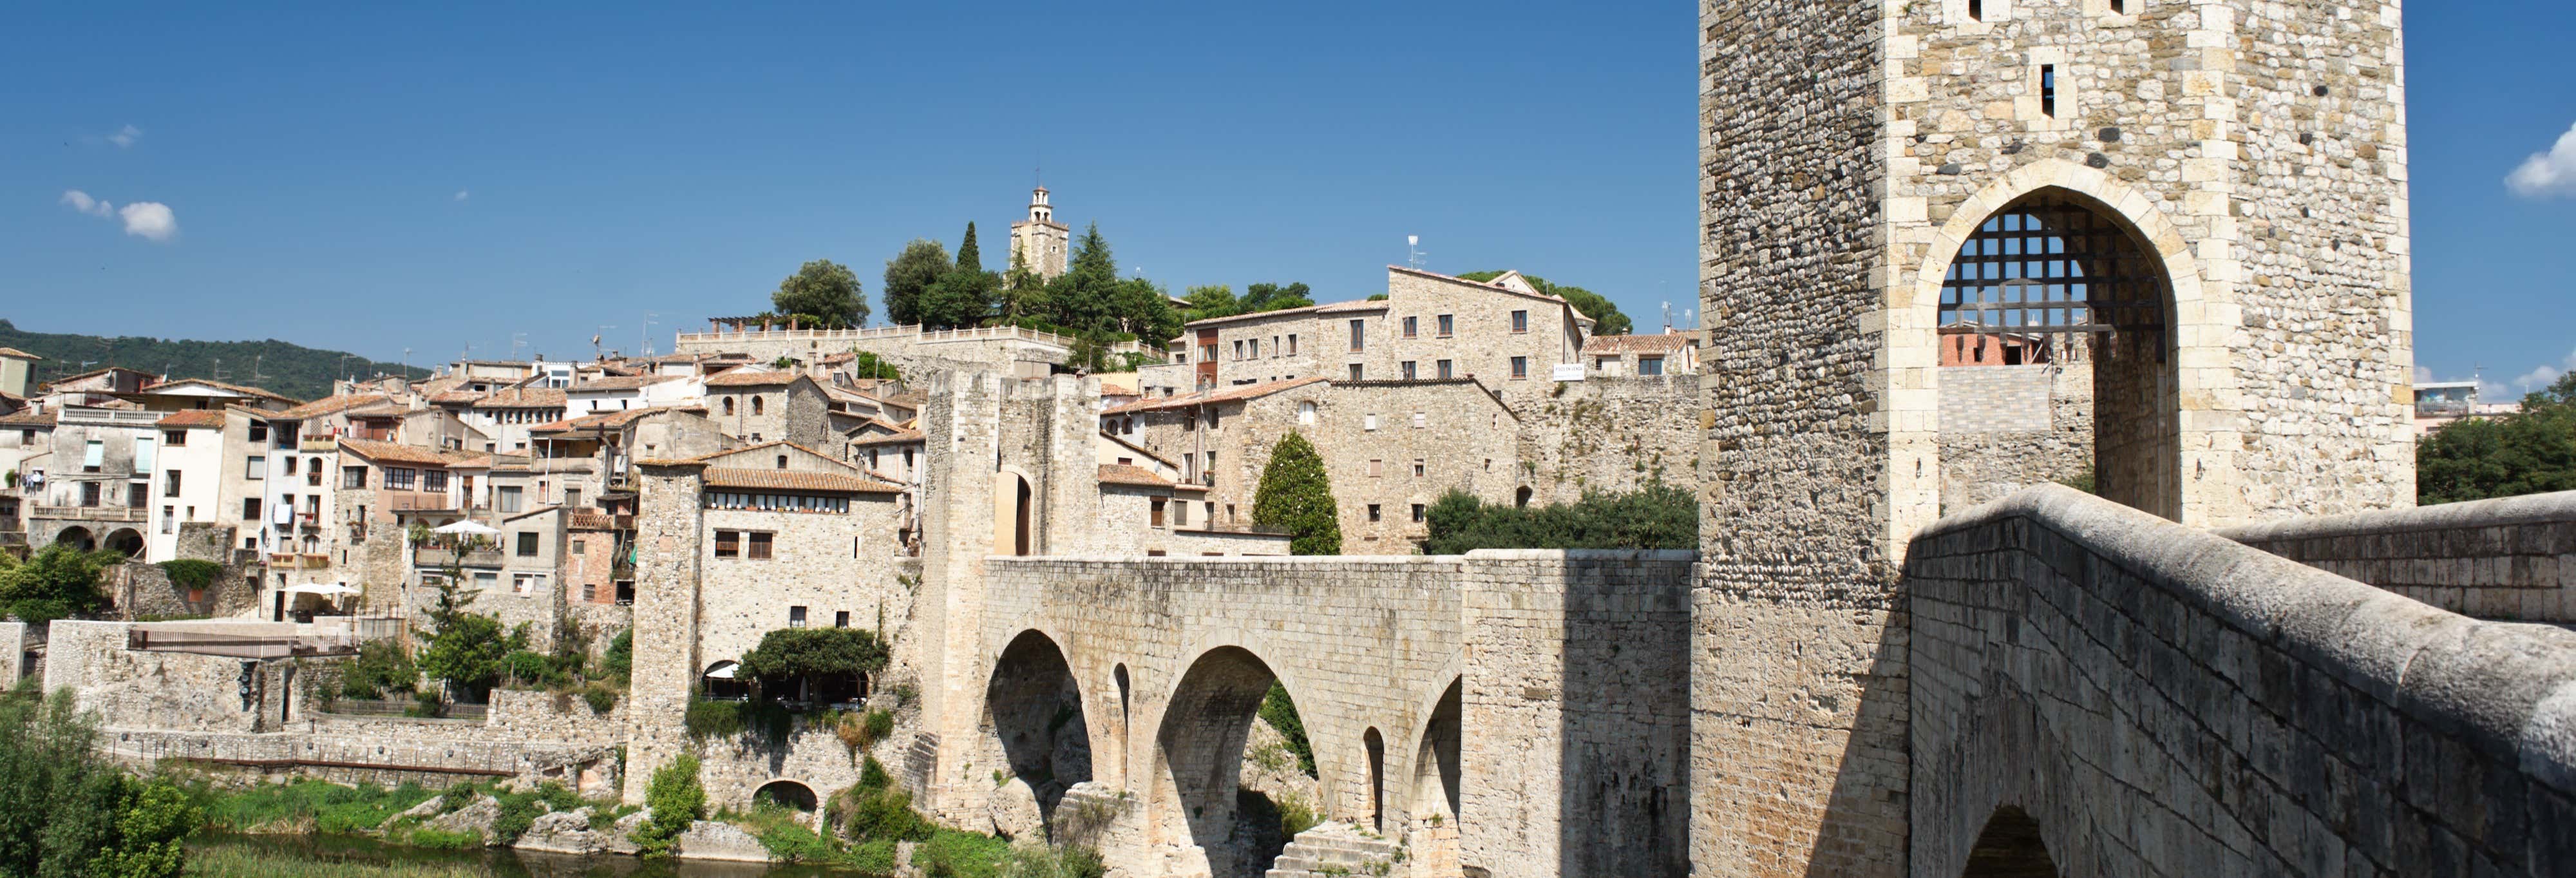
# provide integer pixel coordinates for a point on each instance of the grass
(230, 862)
(329, 807)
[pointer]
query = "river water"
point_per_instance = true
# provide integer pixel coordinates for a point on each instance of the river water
(503, 862)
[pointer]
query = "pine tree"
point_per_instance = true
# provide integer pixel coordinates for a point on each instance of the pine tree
(969, 258)
(1296, 497)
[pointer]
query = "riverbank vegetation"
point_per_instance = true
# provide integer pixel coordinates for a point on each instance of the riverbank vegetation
(66, 811)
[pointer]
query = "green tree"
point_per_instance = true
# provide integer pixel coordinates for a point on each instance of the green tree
(2479, 458)
(909, 274)
(969, 256)
(786, 654)
(465, 648)
(1657, 516)
(1273, 297)
(1080, 300)
(958, 298)
(1209, 303)
(58, 582)
(677, 800)
(823, 292)
(868, 365)
(1023, 295)
(71, 814)
(1295, 496)
(1607, 319)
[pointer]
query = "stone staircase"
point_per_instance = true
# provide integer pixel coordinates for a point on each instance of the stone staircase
(1338, 849)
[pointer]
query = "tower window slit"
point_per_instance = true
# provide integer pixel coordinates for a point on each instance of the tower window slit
(2048, 90)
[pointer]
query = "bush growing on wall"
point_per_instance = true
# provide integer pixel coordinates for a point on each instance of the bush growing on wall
(1296, 497)
(1657, 516)
(789, 653)
(677, 800)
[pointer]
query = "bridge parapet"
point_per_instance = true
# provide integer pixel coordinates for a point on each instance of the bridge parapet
(2144, 698)
(2512, 558)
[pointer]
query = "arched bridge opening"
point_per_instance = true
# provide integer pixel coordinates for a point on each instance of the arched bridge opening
(1033, 708)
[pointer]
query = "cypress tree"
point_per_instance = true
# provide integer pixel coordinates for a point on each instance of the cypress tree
(1296, 497)
(968, 257)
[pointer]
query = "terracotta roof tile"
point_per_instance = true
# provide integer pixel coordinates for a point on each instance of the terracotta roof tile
(328, 405)
(622, 382)
(743, 378)
(1125, 474)
(14, 352)
(769, 444)
(897, 437)
(1623, 344)
(28, 419)
(390, 452)
(523, 398)
(783, 480)
(612, 420)
(235, 388)
(193, 418)
(1224, 394)
(1358, 305)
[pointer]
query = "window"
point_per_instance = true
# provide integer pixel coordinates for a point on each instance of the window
(2048, 90)
(1407, 370)
(728, 544)
(1207, 352)
(1377, 467)
(590, 591)
(255, 467)
(174, 437)
(1158, 511)
(1520, 367)
(1650, 365)
(527, 544)
(758, 402)
(1419, 467)
(1520, 321)
(259, 431)
(1238, 349)
(1181, 514)
(93, 456)
(1418, 513)
(1448, 325)
(840, 618)
(1421, 420)
(1412, 327)
(433, 480)
(728, 405)
(1976, 10)
(1368, 421)
(1447, 371)
(1359, 338)
(527, 583)
(1256, 349)
(795, 617)
(139, 494)
(782, 461)
(1306, 412)
(509, 501)
(579, 545)
(1356, 373)
(759, 546)
(89, 493)
(401, 478)
(353, 476)
(170, 483)
(486, 581)
(1373, 513)
(250, 509)
(290, 464)
(1292, 344)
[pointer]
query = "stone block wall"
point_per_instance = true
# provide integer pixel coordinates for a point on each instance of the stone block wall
(1608, 434)
(2004, 428)
(2509, 559)
(2161, 701)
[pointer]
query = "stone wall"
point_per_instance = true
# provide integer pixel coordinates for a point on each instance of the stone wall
(2509, 559)
(2004, 428)
(163, 690)
(825, 562)
(2142, 698)
(1609, 434)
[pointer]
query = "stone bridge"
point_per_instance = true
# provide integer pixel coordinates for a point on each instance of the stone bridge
(1531, 692)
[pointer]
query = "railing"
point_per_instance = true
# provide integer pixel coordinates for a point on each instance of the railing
(914, 332)
(283, 559)
(315, 560)
(325, 635)
(432, 556)
(408, 502)
(317, 443)
(91, 513)
(81, 414)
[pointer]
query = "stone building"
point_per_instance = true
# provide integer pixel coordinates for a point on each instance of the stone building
(1039, 243)
(2210, 198)
(1429, 326)
(757, 405)
(1644, 356)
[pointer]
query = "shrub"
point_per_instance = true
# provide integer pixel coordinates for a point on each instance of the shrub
(380, 668)
(1296, 497)
(1280, 712)
(602, 699)
(719, 720)
(788, 653)
(528, 668)
(953, 854)
(677, 800)
(57, 582)
(618, 662)
(876, 811)
(1657, 516)
(191, 572)
(69, 812)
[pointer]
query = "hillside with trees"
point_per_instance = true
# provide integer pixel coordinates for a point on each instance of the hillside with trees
(1090, 302)
(291, 369)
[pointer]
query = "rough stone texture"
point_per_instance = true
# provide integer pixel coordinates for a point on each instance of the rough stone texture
(1014, 810)
(2174, 703)
(1609, 434)
(475, 818)
(2509, 559)
(709, 840)
(563, 832)
(2005, 428)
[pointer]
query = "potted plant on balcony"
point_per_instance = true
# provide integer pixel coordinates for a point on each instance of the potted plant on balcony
(418, 533)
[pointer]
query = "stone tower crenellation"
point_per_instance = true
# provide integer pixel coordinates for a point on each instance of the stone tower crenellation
(2209, 197)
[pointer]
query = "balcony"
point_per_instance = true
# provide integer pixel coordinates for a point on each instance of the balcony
(132, 514)
(433, 556)
(314, 560)
(317, 444)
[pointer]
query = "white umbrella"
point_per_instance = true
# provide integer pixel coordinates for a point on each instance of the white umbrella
(467, 526)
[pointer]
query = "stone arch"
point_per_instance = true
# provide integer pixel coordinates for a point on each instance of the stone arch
(1033, 712)
(722, 681)
(1375, 745)
(791, 793)
(2192, 389)
(124, 540)
(2010, 847)
(1015, 513)
(1199, 754)
(1436, 772)
(76, 537)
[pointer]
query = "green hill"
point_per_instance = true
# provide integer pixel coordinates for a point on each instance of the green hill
(291, 369)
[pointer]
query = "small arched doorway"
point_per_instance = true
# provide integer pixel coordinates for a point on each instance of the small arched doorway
(125, 541)
(2010, 847)
(1376, 745)
(787, 794)
(1012, 513)
(723, 681)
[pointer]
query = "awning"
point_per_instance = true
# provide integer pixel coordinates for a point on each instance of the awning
(468, 526)
(329, 589)
(723, 671)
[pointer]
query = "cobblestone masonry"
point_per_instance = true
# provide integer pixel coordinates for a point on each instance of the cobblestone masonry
(1610, 434)
(2167, 702)
(2510, 559)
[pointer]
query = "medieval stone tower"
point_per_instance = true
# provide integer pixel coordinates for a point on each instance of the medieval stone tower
(1039, 241)
(2208, 196)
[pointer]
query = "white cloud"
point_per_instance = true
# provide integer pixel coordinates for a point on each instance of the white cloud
(149, 219)
(2548, 175)
(81, 201)
(462, 194)
(2423, 374)
(126, 136)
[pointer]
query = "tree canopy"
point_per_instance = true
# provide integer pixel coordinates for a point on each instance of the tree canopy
(1208, 303)
(823, 292)
(1607, 319)
(2478, 458)
(909, 274)
(1295, 496)
(71, 812)
(787, 653)
(465, 648)
(57, 582)
(1657, 516)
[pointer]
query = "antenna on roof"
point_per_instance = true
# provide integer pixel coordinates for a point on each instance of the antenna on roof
(1413, 252)
(645, 334)
(1668, 318)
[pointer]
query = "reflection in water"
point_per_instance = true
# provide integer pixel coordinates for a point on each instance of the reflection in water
(502, 862)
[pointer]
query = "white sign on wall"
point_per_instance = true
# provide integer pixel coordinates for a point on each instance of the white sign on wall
(1569, 371)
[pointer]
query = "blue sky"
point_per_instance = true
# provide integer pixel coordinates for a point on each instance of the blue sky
(379, 179)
